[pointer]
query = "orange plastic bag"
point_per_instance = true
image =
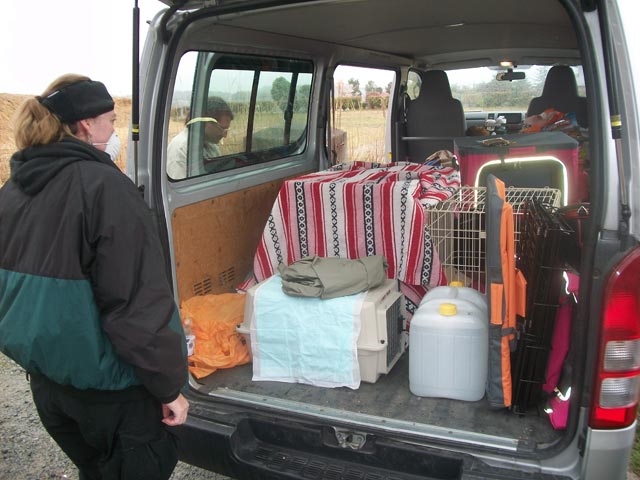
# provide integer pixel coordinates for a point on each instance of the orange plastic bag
(535, 123)
(213, 322)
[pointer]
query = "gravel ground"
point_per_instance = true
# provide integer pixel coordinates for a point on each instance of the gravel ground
(27, 452)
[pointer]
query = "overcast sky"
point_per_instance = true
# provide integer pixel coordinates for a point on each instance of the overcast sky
(42, 39)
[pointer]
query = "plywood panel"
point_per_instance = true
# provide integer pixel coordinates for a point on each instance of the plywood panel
(215, 240)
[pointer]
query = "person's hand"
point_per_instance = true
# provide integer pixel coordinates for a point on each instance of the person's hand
(175, 413)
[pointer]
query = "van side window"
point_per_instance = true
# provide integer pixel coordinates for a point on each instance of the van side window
(235, 111)
(359, 126)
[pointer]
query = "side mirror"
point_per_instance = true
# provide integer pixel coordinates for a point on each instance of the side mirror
(510, 76)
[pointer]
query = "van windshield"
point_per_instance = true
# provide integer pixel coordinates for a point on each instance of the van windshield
(479, 90)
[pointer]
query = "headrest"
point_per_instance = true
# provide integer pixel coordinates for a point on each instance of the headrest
(435, 83)
(560, 82)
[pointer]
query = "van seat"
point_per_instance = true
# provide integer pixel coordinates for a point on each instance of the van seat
(435, 115)
(560, 92)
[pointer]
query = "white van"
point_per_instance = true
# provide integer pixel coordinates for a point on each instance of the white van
(327, 89)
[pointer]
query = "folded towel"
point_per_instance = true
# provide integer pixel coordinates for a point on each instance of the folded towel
(305, 340)
(330, 277)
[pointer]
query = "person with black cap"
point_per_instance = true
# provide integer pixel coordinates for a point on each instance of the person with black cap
(214, 127)
(85, 304)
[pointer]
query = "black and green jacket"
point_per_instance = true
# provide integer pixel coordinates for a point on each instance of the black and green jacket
(84, 298)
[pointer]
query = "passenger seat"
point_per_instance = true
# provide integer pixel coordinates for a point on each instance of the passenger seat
(435, 114)
(560, 92)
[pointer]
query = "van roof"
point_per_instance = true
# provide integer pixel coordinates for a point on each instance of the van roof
(432, 33)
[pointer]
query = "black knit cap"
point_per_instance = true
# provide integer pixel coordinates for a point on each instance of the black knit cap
(80, 100)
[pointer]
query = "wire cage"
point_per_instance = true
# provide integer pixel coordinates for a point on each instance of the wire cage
(457, 228)
(541, 256)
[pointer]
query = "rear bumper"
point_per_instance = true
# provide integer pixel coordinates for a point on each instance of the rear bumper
(247, 447)
(261, 449)
(607, 453)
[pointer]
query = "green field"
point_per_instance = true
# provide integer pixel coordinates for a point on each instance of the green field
(364, 132)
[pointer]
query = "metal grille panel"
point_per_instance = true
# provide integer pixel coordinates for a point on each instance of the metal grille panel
(457, 227)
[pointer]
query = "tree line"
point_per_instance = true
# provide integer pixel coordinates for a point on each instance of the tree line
(349, 96)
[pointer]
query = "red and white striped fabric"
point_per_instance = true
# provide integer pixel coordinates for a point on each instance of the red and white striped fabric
(356, 210)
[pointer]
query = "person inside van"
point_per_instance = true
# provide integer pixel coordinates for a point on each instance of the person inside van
(85, 307)
(215, 124)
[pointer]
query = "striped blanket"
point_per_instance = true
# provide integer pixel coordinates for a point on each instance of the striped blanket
(359, 209)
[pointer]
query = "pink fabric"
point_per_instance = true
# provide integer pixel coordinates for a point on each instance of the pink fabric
(356, 210)
(560, 341)
(559, 414)
(561, 336)
(559, 344)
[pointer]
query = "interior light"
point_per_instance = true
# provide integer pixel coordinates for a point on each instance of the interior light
(506, 64)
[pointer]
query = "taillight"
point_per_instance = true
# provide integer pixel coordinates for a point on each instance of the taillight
(617, 382)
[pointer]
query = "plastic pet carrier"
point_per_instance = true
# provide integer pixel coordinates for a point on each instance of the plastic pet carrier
(523, 160)
(382, 340)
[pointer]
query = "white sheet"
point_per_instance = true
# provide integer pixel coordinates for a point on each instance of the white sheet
(305, 340)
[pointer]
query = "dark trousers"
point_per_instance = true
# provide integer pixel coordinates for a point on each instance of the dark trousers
(107, 435)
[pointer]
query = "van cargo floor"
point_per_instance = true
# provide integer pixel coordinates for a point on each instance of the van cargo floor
(391, 398)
